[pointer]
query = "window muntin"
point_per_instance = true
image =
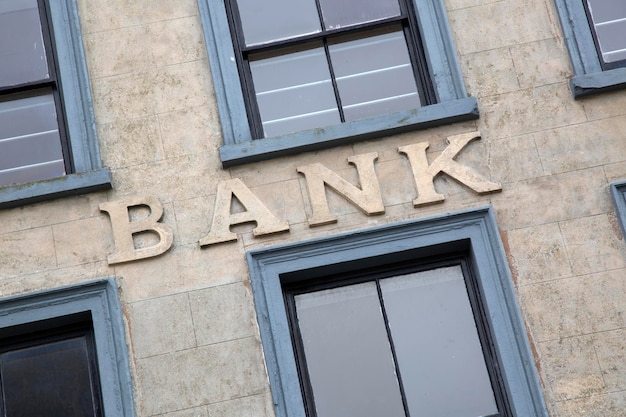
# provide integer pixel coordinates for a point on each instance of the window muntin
(50, 372)
(382, 34)
(395, 345)
(32, 144)
(607, 19)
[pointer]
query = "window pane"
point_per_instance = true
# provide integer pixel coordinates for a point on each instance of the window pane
(22, 51)
(345, 13)
(294, 92)
(609, 20)
(347, 352)
(48, 380)
(271, 20)
(374, 75)
(438, 351)
(30, 145)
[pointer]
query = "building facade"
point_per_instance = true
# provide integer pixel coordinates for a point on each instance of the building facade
(313, 208)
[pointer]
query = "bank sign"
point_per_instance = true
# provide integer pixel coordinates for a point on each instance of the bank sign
(367, 198)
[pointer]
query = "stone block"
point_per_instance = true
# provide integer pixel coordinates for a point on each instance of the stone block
(539, 253)
(161, 325)
(568, 307)
(570, 368)
(223, 313)
(593, 244)
(196, 377)
(27, 251)
(93, 232)
(490, 72)
(131, 142)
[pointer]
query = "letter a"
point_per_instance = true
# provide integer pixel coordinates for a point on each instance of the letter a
(124, 229)
(255, 212)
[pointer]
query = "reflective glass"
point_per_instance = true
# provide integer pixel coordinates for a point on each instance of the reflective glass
(348, 355)
(439, 354)
(30, 145)
(48, 380)
(609, 20)
(294, 92)
(272, 20)
(22, 53)
(374, 75)
(338, 14)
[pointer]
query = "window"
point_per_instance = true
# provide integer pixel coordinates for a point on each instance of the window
(48, 145)
(292, 76)
(417, 318)
(607, 19)
(62, 352)
(51, 371)
(595, 33)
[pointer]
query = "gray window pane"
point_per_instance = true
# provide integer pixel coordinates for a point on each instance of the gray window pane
(30, 144)
(607, 10)
(338, 14)
(438, 351)
(612, 39)
(294, 92)
(374, 75)
(22, 51)
(271, 20)
(348, 354)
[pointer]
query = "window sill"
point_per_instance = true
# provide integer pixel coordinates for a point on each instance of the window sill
(68, 185)
(322, 138)
(599, 82)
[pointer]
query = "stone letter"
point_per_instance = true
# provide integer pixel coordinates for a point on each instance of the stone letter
(367, 198)
(124, 229)
(255, 212)
(424, 174)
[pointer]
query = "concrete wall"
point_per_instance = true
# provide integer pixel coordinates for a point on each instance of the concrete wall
(191, 327)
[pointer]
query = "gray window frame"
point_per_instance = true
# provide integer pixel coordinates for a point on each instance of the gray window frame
(100, 299)
(89, 173)
(476, 228)
(618, 192)
(589, 77)
(452, 105)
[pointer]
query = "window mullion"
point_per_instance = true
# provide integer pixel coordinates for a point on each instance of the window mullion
(405, 405)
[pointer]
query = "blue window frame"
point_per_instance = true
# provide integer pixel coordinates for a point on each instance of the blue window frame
(471, 236)
(618, 191)
(449, 103)
(591, 74)
(95, 303)
(73, 106)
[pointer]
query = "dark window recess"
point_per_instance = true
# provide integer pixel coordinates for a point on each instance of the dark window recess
(33, 144)
(51, 371)
(313, 63)
(607, 19)
(398, 342)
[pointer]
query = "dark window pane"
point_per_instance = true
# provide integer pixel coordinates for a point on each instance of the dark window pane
(438, 351)
(22, 53)
(271, 20)
(48, 380)
(30, 145)
(374, 75)
(294, 92)
(345, 13)
(348, 354)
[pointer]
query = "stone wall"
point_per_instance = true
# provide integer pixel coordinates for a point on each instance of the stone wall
(189, 314)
